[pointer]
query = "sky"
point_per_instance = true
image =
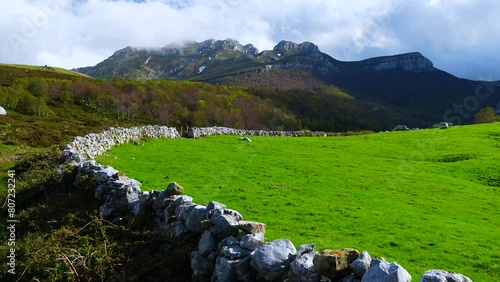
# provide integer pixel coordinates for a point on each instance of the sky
(461, 37)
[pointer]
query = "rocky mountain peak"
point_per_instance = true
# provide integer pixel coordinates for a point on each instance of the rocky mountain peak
(409, 62)
(226, 45)
(285, 46)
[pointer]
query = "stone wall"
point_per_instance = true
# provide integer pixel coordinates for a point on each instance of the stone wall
(195, 132)
(95, 144)
(230, 248)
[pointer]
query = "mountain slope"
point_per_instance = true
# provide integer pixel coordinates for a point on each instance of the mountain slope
(408, 81)
(212, 58)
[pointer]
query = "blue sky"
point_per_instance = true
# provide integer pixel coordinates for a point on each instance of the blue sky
(461, 37)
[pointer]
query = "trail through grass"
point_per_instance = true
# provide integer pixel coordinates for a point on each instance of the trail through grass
(427, 199)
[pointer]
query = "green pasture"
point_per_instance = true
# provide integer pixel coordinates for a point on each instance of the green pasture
(44, 68)
(427, 199)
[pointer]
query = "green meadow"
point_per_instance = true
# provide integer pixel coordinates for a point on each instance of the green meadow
(427, 199)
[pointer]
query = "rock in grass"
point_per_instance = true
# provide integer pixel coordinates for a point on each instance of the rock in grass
(335, 263)
(174, 189)
(361, 264)
(382, 271)
(443, 276)
(251, 227)
(273, 259)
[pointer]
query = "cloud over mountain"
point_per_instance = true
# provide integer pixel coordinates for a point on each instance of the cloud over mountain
(460, 37)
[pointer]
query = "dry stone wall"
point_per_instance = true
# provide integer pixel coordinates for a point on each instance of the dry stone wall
(95, 144)
(195, 132)
(230, 248)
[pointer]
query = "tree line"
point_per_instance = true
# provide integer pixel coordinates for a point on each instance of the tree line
(170, 103)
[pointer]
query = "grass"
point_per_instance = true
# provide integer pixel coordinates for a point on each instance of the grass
(427, 199)
(9, 72)
(45, 68)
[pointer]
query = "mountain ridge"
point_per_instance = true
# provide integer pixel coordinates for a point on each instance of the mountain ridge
(195, 60)
(409, 82)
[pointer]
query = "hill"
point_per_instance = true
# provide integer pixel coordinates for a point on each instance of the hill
(409, 82)
(8, 72)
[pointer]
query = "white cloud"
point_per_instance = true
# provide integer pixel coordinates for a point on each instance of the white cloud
(459, 36)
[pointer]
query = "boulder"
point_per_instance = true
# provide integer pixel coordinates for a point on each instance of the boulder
(201, 266)
(252, 241)
(382, 271)
(179, 229)
(224, 226)
(104, 174)
(302, 269)
(244, 271)
(306, 248)
(174, 189)
(335, 263)
(183, 211)
(224, 270)
(234, 252)
(195, 218)
(207, 243)
(273, 259)
(361, 264)
(228, 241)
(251, 227)
(443, 276)
(216, 206)
(177, 201)
(234, 214)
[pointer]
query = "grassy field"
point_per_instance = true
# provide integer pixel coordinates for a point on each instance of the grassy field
(427, 199)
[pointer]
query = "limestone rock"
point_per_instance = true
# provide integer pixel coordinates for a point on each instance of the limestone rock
(216, 205)
(252, 227)
(306, 248)
(335, 263)
(201, 266)
(234, 252)
(228, 241)
(273, 259)
(174, 189)
(207, 243)
(182, 211)
(252, 241)
(244, 271)
(361, 264)
(178, 200)
(302, 269)
(104, 174)
(382, 271)
(443, 276)
(224, 226)
(224, 270)
(195, 218)
(234, 214)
